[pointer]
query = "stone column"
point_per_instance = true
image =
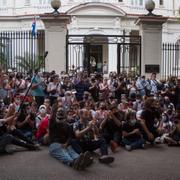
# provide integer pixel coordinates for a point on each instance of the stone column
(55, 40)
(151, 33)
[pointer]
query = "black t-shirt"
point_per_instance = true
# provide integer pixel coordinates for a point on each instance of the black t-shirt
(149, 116)
(111, 126)
(59, 132)
(26, 126)
(129, 128)
(94, 93)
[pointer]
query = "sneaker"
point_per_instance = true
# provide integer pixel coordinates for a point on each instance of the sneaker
(106, 159)
(128, 147)
(34, 147)
(77, 164)
(143, 146)
(114, 146)
(9, 149)
(88, 159)
(157, 140)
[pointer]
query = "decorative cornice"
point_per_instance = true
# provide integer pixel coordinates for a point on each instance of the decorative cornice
(151, 20)
(96, 4)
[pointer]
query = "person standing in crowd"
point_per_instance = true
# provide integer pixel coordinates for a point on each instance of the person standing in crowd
(53, 89)
(80, 88)
(94, 89)
(154, 84)
(38, 89)
(140, 86)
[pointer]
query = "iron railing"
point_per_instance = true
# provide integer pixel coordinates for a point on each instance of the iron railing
(21, 50)
(170, 64)
(122, 51)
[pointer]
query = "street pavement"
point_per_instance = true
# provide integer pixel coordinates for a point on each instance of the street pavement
(155, 163)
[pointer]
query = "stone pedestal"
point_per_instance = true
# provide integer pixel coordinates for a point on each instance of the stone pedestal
(151, 33)
(55, 41)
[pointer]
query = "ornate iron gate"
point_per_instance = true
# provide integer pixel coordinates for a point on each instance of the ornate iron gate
(94, 52)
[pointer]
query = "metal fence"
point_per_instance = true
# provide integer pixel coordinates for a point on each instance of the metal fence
(170, 65)
(22, 51)
(94, 53)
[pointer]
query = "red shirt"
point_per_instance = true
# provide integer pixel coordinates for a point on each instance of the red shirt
(42, 128)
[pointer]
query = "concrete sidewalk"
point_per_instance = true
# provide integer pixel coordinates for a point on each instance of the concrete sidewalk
(155, 163)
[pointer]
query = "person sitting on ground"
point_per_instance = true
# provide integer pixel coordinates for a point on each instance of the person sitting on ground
(149, 118)
(26, 121)
(41, 115)
(174, 136)
(60, 138)
(131, 132)
(42, 135)
(112, 127)
(87, 137)
(8, 136)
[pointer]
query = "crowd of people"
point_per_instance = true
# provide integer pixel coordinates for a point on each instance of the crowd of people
(76, 114)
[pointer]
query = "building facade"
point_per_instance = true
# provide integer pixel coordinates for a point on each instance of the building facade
(107, 18)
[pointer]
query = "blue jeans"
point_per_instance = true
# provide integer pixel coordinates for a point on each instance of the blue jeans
(82, 146)
(67, 156)
(134, 143)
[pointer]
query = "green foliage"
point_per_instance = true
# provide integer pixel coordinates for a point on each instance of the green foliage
(28, 63)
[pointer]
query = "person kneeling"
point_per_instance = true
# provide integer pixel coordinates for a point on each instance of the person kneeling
(132, 137)
(60, 148)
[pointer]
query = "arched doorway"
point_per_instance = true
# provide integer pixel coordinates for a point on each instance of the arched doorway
(96, 53)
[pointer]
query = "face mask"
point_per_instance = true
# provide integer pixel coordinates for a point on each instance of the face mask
(42, 111)
(17, 101)
(123, 101)
(138, 100)
(68, 98)
(17, 107)
(6, 81)
(133, 122)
